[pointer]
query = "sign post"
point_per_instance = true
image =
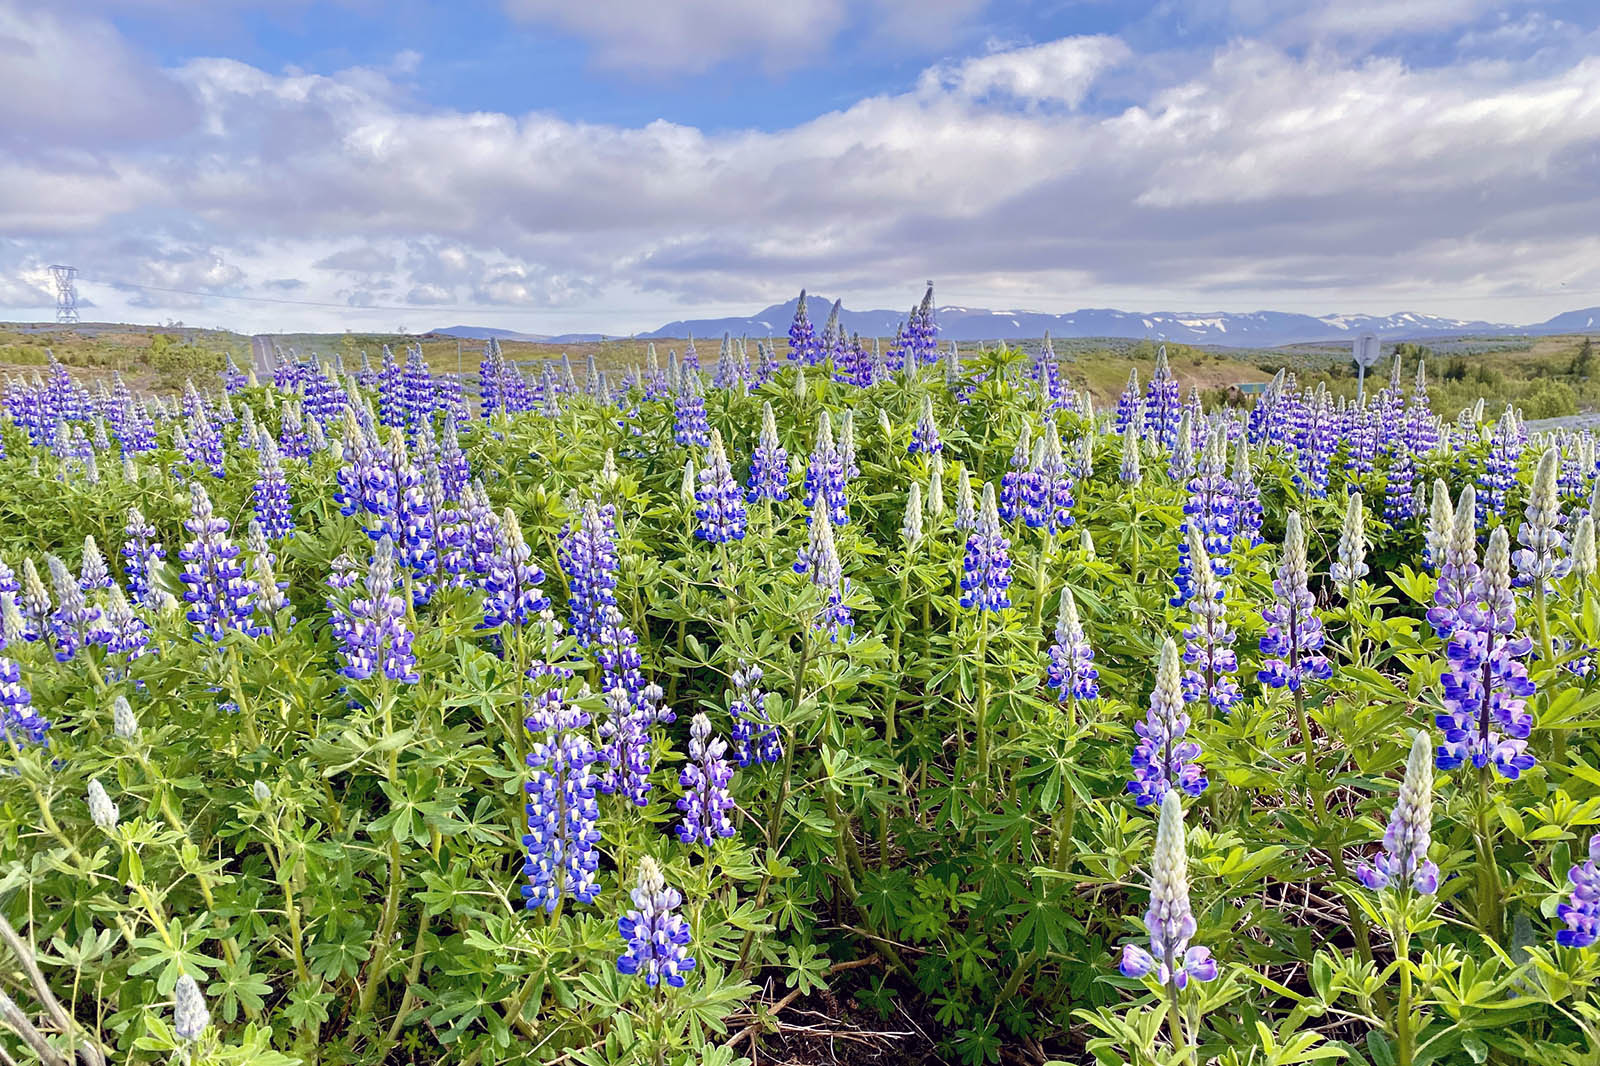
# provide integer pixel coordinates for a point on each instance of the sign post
(1364, 350)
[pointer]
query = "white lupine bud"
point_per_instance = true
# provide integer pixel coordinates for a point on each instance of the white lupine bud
(1441, 520)
(911, 527)
(189, 1014)
(1542, 556)
(1583, 551)
(261, 792)
(124, 723)
(1086, 543)
(101, 810)
(1497, 567)
(686, 488)
(1132, 474)
(1351, 565)
(935, 496)
(800, 391)
(966, 505)
(608, 469)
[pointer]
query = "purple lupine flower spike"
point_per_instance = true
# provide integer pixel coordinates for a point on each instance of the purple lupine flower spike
(720, 506)
(376, 638)
(690, 427)
(657, 937)
(220, 598)
(819, 558)
(1581, 912)
(1404, 860)
(20, 723)
(272, 493)
(755, 738)
(1170, 918)
(588, 556)
(1048, 488)
(769, 463)
(827, 474)
(1486, 688)
(1071, 671)
(1164, 759)
(1014, 481)
(705, 778)
(513, 585)
(1208, 640)
(986, 569)
(1292, 646)
(560, 859)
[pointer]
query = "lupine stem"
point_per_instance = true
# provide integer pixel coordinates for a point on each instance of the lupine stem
(981, 707)
(1403, 1037)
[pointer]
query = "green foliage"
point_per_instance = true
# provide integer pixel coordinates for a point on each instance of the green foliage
(944, 837)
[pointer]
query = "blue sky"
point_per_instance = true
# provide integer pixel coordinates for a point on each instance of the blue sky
(610, 165)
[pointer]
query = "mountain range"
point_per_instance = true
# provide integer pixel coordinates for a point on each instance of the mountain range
(1254, 329)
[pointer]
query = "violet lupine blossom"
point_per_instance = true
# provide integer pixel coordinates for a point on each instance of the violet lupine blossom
(1542, 557)
(705, 778)
(1399, 486)
(1498, 475)
(922, 332)
(769, 463)
(819, 559)
(20, 724)
(1014, 480)
(1208, 512)
(93, 573)
(1169, 918)
(803, 346)
(1404, 861)
(1456, 559)
(986, 568)
(588, 556)
(123, 633)
(658, 938)
(219, 596)
(1128, 403)
(755, 738)
(391, 391)
(720, 506)
(75, 622)
(925, 435)
(827, 475)
(1163, 402)
(1291, 648)
(292, 440)
(690, 427)
(272, 493)
(560, 859)
(513, 585)
(1208, 640)
(1071, 670)
(634, 705)
(376, 639)
(1047, 492)
(1581, 912)
(1486, 688)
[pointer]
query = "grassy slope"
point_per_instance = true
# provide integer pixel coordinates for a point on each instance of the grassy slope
(1496, 368)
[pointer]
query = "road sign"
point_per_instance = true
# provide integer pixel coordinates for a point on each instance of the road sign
(1365, 352)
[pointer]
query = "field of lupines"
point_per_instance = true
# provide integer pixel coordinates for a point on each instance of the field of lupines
(373, 716)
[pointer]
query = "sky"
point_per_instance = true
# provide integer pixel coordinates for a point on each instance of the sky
(610, 165)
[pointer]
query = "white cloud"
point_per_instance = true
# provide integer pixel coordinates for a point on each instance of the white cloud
(1058, 72)
(66, 80)
(1313, 179)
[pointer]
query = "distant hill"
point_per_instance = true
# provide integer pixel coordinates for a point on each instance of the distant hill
(1254, 329)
